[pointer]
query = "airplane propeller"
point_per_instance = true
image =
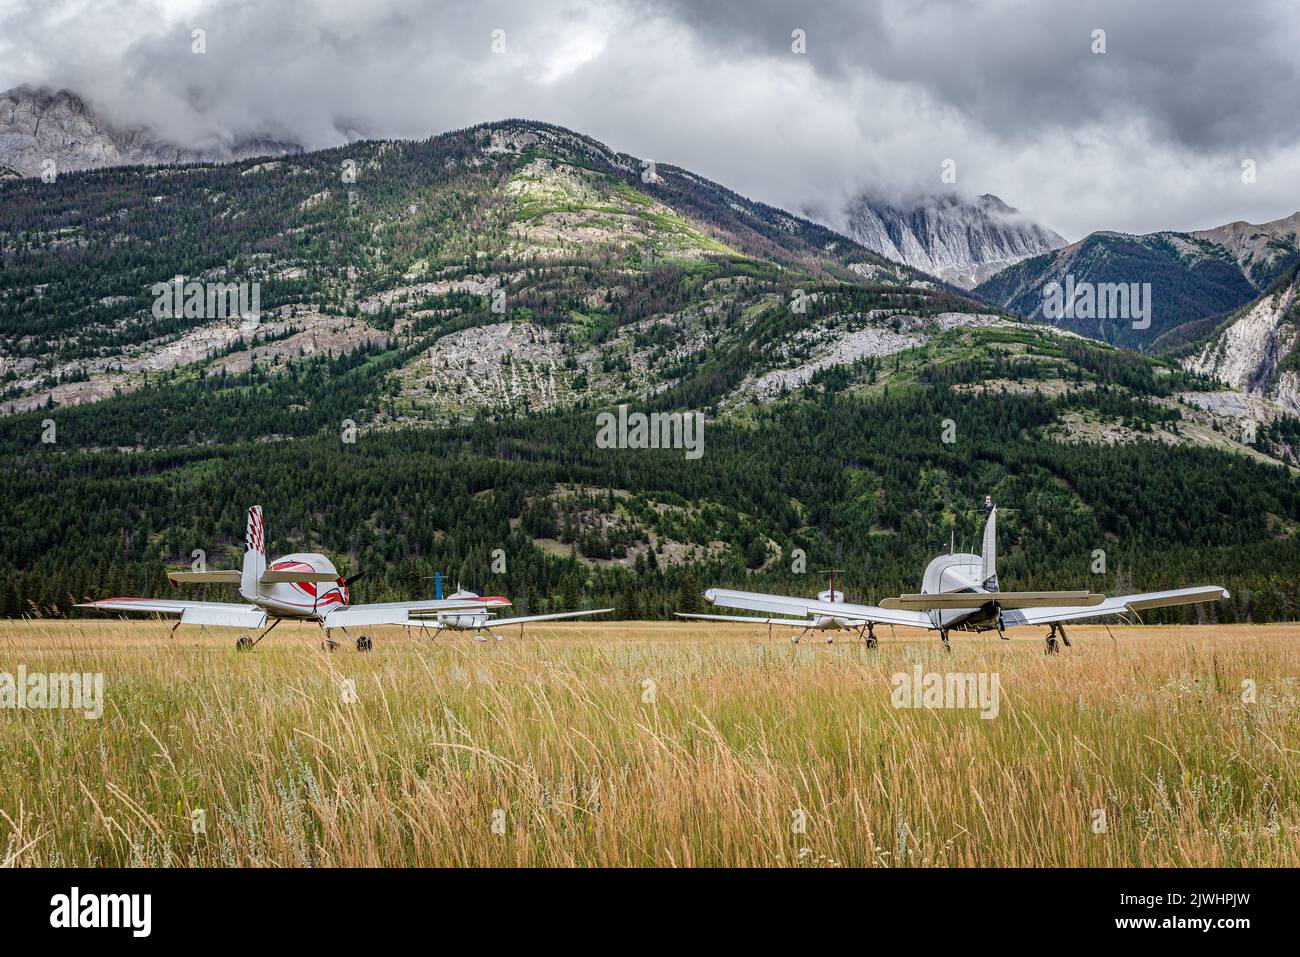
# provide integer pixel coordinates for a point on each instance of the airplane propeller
(345, 582)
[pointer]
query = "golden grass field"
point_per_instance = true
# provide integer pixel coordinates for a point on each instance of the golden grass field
(561, 742)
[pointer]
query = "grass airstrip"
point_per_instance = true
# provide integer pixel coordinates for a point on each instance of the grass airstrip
(649, 744)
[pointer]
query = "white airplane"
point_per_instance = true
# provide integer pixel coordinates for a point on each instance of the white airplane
(479, 620)
(959, 592)
(304, 586)
(827, 623)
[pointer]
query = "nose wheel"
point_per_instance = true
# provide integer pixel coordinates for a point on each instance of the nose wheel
(363, 642)
(1054, 646)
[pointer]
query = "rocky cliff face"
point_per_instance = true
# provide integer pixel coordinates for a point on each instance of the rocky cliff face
(1256, 349)
(961, 242)
(39, 126)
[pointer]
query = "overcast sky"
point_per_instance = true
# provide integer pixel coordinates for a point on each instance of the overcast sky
(1150, 134)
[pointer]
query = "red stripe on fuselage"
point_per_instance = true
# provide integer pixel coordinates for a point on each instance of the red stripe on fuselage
(307, 588)
(327, 600)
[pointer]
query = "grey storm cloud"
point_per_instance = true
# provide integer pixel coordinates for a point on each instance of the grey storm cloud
(1148, 135)
(1203, 74)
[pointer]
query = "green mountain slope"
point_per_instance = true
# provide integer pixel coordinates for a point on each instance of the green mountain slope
(1192, 276)
(510, 222)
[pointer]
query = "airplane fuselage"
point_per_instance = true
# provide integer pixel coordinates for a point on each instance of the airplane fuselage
(470, 620)
(832, 622)
(960, 573)
(301, 600)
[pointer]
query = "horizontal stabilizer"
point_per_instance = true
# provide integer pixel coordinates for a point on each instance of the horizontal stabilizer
(1004, 599)
(200, 578)
(276, 577)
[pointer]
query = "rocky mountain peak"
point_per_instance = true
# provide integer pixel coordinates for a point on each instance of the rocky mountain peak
(1256, 246)
(960, 240)
(40, 126)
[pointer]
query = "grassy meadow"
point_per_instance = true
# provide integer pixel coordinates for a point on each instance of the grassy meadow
(616, 744)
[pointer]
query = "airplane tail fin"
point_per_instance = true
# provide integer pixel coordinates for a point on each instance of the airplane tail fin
(989, 553)
(254, 553)
(437, 585)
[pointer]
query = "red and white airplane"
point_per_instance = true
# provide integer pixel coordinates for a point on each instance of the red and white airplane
(479, 619)
(304, 586)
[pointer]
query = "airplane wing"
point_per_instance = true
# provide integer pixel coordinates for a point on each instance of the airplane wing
(494, 622)
(1005, 599)
(404, 612)
(803, 622)
(220, 613)
(235, 577)
(1119, 605)
(198, 578)
(784, 604)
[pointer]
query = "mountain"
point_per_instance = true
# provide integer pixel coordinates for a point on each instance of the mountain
(1262, 251)
(432, 328)
(39, 125)
(478, 234)
(1255, 349)
(1192, 276)
(962, 242)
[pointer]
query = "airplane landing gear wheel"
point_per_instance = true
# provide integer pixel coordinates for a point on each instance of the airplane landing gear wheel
(329, 644)
(364, 643)
(244, 643)
(871, 642)
(1053, 646)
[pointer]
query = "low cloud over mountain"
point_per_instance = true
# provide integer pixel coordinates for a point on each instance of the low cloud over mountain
(803, 107)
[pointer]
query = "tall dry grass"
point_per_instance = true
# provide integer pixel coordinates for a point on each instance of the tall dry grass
(710, 765)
